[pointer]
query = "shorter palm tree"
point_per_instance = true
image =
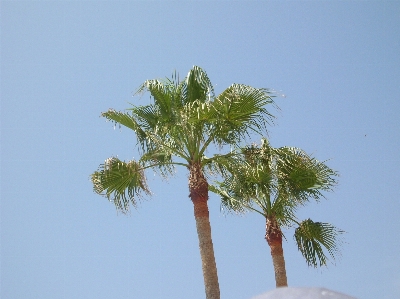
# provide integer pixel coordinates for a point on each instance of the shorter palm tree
(275, 182)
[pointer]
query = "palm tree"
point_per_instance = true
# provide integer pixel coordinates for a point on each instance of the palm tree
(183, 120)
(275, 182)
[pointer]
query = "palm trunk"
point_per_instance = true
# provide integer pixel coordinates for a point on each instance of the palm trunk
(198, 188)
(274, 238)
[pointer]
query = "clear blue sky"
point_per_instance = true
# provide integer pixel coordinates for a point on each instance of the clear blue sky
(63, 63)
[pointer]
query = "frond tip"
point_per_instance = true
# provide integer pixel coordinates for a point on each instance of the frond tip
(121, 182)
(312, 236)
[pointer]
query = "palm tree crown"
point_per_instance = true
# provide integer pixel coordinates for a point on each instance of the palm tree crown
(178, 127)
(183, 120)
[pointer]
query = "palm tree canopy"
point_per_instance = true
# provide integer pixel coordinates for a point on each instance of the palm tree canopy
(275, 182)
(182, 120)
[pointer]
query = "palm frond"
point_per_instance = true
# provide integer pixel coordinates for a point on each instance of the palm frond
(239, 110)
(121, 182)
(197, 87)
(305, 171)
(128, 120)
(166, 95)
(229, 203)
(312, 237)
(124, 119)
(301, 176)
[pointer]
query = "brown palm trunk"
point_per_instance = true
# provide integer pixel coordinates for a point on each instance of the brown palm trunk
(198, 188)
(274, 238)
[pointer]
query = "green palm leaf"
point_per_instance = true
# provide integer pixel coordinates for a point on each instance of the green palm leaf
(166, 95)
(122, 118)
(197, 87)
(238, 110)
(304, 171)
(312, 237)
(121, 182)
(228, 202)
(128, 120)
(301, 176)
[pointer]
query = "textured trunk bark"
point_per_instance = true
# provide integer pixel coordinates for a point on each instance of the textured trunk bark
(274, 238)
(198, 188)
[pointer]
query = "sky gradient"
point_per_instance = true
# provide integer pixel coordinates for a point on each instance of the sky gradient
(336, 67)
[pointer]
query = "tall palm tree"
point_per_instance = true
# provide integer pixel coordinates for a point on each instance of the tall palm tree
(183, 120)
(275, 182)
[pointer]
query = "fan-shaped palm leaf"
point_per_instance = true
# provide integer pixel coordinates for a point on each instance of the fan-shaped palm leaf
(239, 110)
(312, 237)
(197, 86)
(121, 182)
